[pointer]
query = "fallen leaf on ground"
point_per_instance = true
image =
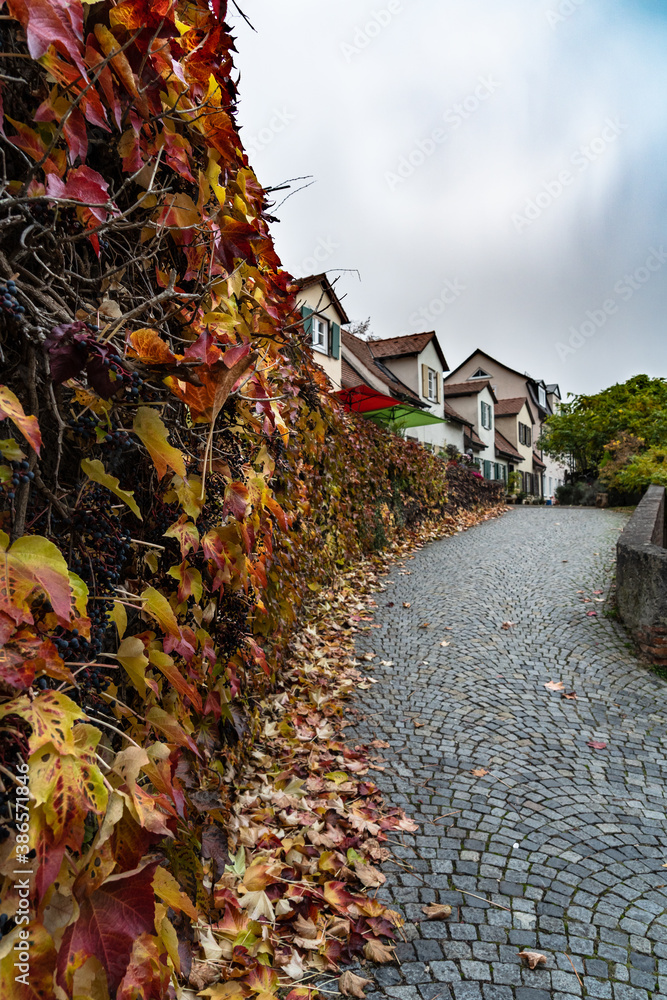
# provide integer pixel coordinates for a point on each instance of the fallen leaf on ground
(371, 877)
(376, 951)
(418, 723)
(386, 663)
(533, 958)
(369, 656)
(596, 744)
(380, 744)
(424, 625)
(407, 604)
(444, 643)
(507, 625)
(591, 614)
(598, 591)
(479, 772)
(437, 911)
(554, 686)
(353, 986)
(570, 695)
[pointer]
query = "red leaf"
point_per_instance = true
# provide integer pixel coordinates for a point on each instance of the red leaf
(51, 22)
(234, 354)
(147, 975)
(237, 498)
(596, 745)
(83, 184)
(205, 349)
(110, 920)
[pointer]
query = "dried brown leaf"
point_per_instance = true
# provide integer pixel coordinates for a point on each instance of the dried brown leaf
(407, 604)
(305, 928)
(353, 986)
(554, 686)
(534, 958)
(368, 875)
(437, 911)
(479, 772)
(376, 951)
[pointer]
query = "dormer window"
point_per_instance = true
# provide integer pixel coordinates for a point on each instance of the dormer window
(542, 396)
(320, 334)
(480, 373)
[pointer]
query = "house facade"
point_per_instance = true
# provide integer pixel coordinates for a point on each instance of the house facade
(475, 401)
(538, 470)
(323, 316)
(515, 421)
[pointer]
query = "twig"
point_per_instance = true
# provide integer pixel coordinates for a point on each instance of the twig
(573, 968)
(489, 901)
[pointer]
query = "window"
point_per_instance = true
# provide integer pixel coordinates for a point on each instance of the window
(480, 373)
(320, 334)
(542, 397)
(528, 483)
(487, 469)
(430, 384)
(525, 434)
(487, 420)
(500, 472)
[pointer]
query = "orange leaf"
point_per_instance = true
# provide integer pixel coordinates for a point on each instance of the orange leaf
(11, 408)
(149, 346)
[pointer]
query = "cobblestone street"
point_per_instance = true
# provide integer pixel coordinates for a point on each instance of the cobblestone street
(569, 840)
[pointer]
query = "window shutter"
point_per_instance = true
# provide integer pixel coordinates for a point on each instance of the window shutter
(425, 381)
(308, 321)
(335, 340)
(438, 387)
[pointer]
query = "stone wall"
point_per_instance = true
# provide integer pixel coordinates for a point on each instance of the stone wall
(641, 582)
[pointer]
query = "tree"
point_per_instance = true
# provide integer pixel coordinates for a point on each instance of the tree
(584, 428)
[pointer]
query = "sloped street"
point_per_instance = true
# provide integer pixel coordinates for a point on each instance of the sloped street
(513, 804)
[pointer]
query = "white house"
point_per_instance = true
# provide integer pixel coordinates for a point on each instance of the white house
(323, 315)
(475, 401)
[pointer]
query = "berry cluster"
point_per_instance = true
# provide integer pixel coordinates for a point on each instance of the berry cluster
(21, 473)
(8, 300)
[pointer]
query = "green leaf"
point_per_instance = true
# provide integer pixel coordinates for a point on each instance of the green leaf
(94, 469)
(10, 450)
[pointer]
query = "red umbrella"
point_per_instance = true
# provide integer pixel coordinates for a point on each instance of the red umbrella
(361, 399)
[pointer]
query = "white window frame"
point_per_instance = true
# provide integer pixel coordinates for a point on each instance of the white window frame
(542, 396)
(486, 410)
(432, 386)
(320, 334)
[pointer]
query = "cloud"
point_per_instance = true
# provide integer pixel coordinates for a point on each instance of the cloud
(370, 90)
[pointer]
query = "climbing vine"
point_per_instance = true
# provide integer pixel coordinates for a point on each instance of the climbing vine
(175, 483)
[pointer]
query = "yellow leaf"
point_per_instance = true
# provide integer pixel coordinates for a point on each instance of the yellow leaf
(168, 889)
(132, 656)
(94, 469)
(10, 408)
(149, 427)
(338, 776)
(118, 616)
(157, 605)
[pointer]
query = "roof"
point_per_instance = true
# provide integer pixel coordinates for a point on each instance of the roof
(411, 343)
(529, 378)
(475, 439)
(538, 461)
(511, 407)
(360, 349)
(348, 376)
(506, 448)
(468, 388)
(451, 414)
(321, 279)
(554, 389)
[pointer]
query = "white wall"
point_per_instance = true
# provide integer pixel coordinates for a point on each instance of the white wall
(409, 370)
(317, 299)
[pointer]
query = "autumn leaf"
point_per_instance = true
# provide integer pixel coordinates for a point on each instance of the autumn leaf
(132, 656)
(570, 695)
(437, 911)
(507, 625)
(150, 429)
(351, 985)
(479, 772)
(33, 563)
(167, 889)
(369, 876)
(157, 606)
(149, 347)
(533, 958)
(597, 745)
(51, 715)
(109, 921)
(11, 409)
(94, 469)
(407, 604)
(376, 951)
(554, 686)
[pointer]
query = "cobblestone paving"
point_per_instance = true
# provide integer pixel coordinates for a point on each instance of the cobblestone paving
(569, 839)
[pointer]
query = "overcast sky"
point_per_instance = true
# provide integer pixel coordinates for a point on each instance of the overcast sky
(493, 169)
